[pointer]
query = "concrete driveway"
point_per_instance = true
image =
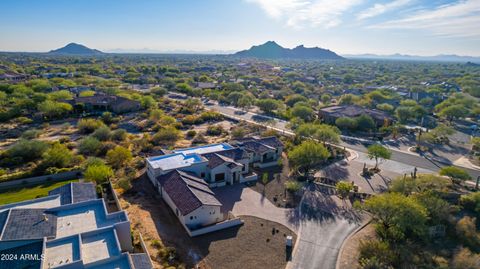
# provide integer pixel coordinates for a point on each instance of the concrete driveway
(241, 200)
(322, 221)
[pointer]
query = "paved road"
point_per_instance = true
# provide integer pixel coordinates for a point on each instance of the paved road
(324, 225)
(321, 223)
(355, 144)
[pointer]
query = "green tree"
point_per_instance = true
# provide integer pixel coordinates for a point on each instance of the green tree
(303, 112)
(119, 156)
(306, 155)
(377, 152)
(267, 105)
(99, 173)
(60, 95)
(453, 112)
(454, 173)
(346, 123)
(291, 100)
(365, 122)
(397, 216)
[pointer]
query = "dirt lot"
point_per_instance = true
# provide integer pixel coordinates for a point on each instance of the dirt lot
(248, 243)
(274, 190)
(348, 258)
(258, 243)
(154, 220)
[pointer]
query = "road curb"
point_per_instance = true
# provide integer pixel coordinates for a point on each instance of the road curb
(337, 265)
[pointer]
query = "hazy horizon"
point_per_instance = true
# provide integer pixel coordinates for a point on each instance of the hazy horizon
(347, 27)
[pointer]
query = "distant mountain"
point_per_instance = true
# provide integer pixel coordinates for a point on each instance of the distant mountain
(438, 58)
(76, 49)
(271, 50)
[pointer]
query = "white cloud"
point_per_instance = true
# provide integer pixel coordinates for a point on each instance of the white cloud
(460, 19)
(301, 13)
(379, 9)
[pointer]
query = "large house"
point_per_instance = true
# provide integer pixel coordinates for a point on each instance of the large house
(70, 228)
(104, 102)
(330, 114)
(184, 177)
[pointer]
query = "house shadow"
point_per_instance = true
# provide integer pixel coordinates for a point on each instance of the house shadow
(336, 171)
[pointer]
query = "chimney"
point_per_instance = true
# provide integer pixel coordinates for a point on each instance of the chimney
(45, 218)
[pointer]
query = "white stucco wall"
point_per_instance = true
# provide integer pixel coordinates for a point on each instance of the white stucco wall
(203, 216)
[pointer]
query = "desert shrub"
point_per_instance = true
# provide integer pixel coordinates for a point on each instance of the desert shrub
(191, 133)
(98, 173)
(293, 186)
(465, 259)
(91, 161)
(191, 119)
(87, 126)
(471, 201)
(343, 188)
(376, 254)
(58, 156)
(119, 135)
(238, 132)
(215, 130)
(102, 133)
(167, 135)
(31, 134)
(23, 120)
(199, 139)
(89, 146)
(124, 184)
(466, 230)
(119, 156)
(211, 116)
(27, 150)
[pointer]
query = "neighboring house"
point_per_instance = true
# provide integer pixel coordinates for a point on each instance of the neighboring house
(70, 228)
(330, 114)
(13, 77)
(262, 152)
(100, 102)
(205, 85)
(184, 177)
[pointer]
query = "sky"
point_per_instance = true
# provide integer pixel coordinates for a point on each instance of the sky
(218, 26)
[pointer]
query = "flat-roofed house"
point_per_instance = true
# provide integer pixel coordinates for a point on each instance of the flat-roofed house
(70, 228)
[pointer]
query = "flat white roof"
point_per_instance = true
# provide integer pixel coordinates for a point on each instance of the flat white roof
(82, 219)
(99, 246)
(205, 149)
(174, 161)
